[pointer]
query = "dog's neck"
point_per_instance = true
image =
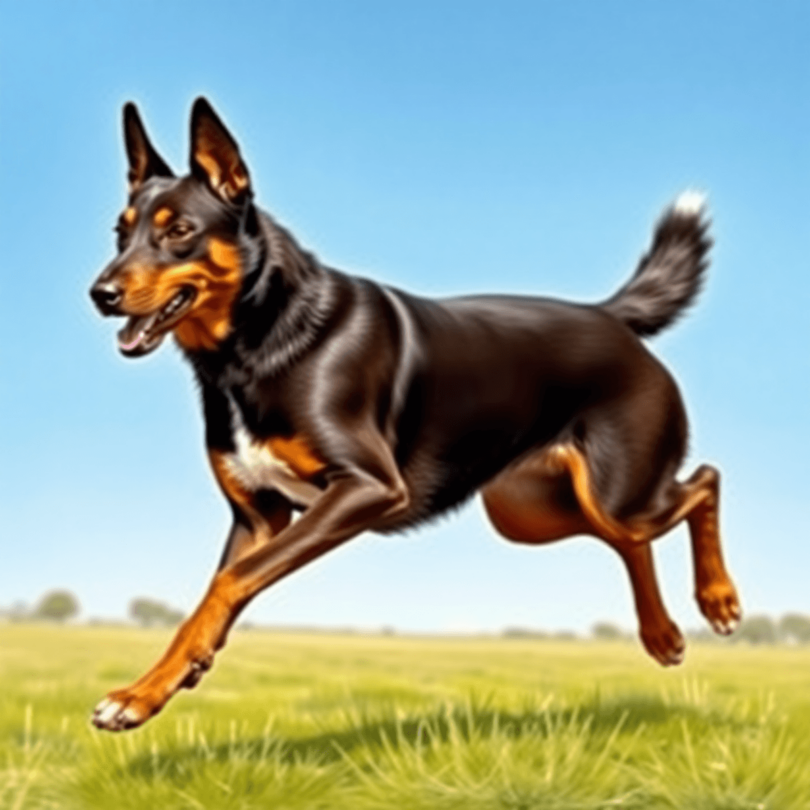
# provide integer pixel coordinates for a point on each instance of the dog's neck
(287, 297)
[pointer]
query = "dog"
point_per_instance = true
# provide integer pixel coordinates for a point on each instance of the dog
(358, 407)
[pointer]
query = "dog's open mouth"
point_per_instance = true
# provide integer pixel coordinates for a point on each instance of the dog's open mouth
(144, 333)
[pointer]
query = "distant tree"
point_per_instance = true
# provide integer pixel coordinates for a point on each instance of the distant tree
(144, 611)
(757, 630)
(702, 635)
(605, 631)
(19, 612)
(523, 632)
(57, 606)
(795, 627)
(150, 612)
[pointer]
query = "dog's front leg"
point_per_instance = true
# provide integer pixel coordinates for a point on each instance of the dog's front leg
(191, 652)
(354, 500)
(189, 655)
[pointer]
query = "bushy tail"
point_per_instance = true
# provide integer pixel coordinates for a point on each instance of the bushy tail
(670, 276)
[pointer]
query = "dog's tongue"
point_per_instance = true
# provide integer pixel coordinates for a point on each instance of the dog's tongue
(134, 333)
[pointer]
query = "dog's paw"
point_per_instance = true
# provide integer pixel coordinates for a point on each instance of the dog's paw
(122, 710)
(720, 605)
(664, 643)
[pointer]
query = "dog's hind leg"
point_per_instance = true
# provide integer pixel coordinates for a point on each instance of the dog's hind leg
(552, 495)
(660, 635)
(547, 497)
(714, 590)
(697, 501)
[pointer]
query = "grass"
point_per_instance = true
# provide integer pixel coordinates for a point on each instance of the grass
(295, 721)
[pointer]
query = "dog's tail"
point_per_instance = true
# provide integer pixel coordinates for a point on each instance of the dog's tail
(670, 275)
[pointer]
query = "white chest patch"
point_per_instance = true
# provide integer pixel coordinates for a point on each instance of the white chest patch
(256, 467)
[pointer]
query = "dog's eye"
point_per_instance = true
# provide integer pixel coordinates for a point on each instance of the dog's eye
(179, 230)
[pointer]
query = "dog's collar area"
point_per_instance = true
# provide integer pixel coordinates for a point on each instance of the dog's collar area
(243, 216)
(257, 258)
(257, 262)
(251, 280)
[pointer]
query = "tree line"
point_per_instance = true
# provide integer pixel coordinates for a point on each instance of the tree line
(60, 606)
(792, 628)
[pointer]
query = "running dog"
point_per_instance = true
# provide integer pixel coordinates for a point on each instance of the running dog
(364, 408)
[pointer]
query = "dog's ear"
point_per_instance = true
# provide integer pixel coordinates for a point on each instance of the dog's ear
(144, 161)
(215, 156)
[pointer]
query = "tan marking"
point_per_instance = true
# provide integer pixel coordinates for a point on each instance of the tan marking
(209, 321)
(188, 656)
(229, 483)
(264, 526)
(533, 502)
(238, 181)
(715, 592)
(224, 254)
(659, 634)
(529, 522)
(225, 175)
(130, 216)
(514, 512)
(210, 165)
(163, 216)
(522, 502)
(604, 524)
(216, 281)
(296, 452)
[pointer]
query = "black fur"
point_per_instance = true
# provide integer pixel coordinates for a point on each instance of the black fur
(668, 278)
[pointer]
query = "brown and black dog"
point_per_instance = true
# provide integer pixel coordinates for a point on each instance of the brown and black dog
(365, 408)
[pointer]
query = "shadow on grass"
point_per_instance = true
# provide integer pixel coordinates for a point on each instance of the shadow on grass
(464, 722)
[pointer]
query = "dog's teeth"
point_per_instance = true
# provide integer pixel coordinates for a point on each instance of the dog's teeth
(172, 307)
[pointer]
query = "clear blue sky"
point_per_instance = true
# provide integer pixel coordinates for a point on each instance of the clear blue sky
(450, 146)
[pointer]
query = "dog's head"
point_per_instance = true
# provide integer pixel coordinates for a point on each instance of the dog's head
(181, 241)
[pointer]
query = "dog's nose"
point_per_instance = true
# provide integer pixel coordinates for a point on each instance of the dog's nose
(107, 296)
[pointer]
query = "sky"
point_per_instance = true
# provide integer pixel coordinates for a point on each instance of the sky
(444, 147)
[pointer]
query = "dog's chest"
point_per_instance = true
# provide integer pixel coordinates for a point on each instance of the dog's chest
(281, 464)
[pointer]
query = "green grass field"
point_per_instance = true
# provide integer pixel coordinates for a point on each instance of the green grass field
(346, 721)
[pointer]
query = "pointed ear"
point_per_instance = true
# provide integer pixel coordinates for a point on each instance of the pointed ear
(215, 156)
(144, 161)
